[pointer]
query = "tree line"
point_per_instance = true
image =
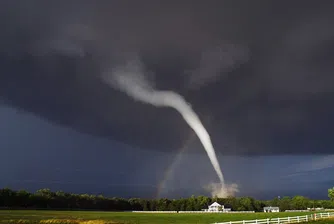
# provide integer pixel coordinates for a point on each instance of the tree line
(46, 199)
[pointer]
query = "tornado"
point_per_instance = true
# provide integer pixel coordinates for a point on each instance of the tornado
(131, 80)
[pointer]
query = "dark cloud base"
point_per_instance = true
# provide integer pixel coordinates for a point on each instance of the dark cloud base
(280, 101)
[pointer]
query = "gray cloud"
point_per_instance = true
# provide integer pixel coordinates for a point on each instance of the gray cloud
(261, 71)
(315, 164)
(216, 63)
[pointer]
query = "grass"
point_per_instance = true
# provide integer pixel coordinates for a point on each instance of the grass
(323, 221)
(32, 216)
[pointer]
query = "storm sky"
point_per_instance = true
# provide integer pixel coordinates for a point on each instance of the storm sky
(258, 73)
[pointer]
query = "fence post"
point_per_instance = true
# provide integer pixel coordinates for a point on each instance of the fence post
(230, 222)
(297, 218)
(256, 221)
(243, 221)
(328, 214)
(289, 219)
(315, 216)
(306, 218)
(278, 220)
(268, 221)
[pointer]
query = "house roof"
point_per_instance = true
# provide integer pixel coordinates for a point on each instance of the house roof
(214, 204)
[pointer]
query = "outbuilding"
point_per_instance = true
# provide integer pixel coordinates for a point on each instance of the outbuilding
(270, 209)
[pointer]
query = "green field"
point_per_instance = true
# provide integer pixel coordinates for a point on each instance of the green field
(138, 218)
(326, 221)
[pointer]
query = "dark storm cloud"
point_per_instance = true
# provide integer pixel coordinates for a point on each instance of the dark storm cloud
(259, 73)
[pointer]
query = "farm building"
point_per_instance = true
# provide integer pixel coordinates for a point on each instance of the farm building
(216, 207)
(270, 209)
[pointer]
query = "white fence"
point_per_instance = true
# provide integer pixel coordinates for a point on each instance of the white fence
(198, 212)
(295, 219)
(305, 210)
(329, 210)
(216, 211)
(241, 212)
(192, 212)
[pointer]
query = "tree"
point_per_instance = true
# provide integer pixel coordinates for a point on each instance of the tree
(136, 204)
(8, 197)
(202, 202)
(245, 204)
(299, 202)
(331, 193)
(23, 198)
(45, 198)
(285, 203)
(162, 204)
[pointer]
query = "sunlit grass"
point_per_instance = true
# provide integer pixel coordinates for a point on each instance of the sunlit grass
(90, 217)
(57, 221)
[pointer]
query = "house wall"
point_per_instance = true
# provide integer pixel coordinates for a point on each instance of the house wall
(213, 209)
(271, 210)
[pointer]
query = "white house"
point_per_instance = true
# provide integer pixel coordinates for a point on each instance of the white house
(270, 209)
(216, 207)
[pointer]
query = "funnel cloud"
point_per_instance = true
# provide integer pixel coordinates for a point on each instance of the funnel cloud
(258, 73)
(131, 79)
